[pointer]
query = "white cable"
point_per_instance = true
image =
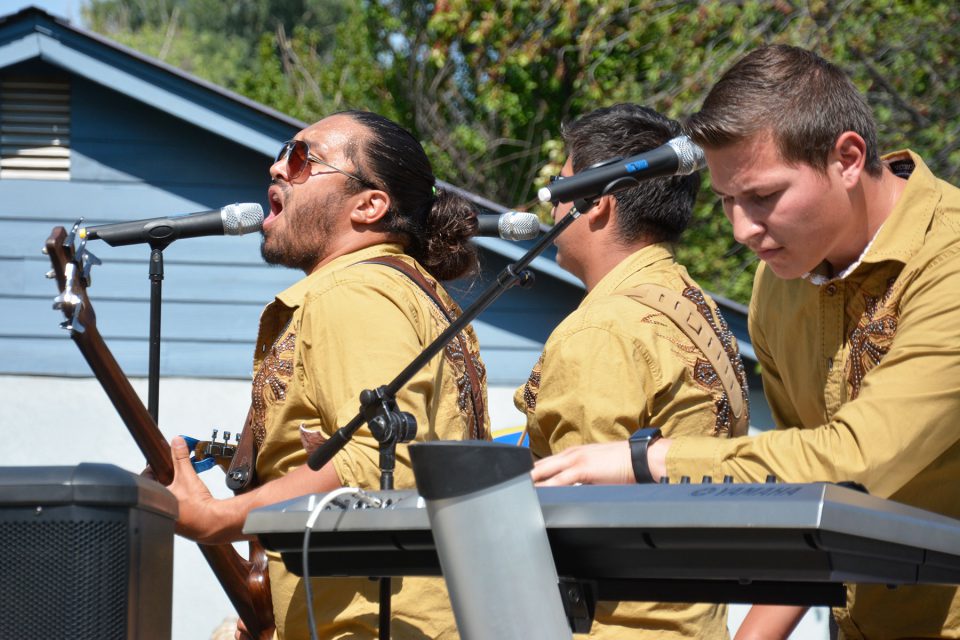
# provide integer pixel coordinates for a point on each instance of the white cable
(372, 501)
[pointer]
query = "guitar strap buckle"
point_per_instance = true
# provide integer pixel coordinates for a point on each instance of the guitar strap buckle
(243, 469)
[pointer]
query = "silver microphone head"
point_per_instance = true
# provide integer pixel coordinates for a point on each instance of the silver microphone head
(241, 218)
(518, 225)
(690, 157)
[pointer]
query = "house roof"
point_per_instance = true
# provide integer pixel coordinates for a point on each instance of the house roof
(34, 33)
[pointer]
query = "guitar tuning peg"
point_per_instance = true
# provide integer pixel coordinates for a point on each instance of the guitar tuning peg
(50, 275)
(237, 438)
(213, 438)
(226, 437)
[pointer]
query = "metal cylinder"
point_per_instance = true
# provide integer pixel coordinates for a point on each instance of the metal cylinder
(491, 539)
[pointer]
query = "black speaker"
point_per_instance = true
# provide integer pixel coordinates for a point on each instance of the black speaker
(87, 552)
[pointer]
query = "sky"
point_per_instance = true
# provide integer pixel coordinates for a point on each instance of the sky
(69, 9)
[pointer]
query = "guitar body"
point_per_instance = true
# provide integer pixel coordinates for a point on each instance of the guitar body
(246, 582)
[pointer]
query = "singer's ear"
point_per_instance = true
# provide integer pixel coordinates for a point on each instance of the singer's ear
(601, 210)
(370, 205)
(848, 157)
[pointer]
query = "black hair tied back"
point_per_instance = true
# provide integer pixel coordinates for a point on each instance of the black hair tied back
(434, 223)
(451, 222)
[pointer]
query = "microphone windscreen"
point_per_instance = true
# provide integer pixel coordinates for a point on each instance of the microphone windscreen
(690, 156)
(519, 225)
(241, 218)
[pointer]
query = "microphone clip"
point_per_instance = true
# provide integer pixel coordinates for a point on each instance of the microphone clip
(389, 426)
(387, 423)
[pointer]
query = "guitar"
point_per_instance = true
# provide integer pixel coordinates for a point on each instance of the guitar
(246, 583)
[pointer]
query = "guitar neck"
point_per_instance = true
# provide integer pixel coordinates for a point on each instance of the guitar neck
(231, 570)
(128, 404)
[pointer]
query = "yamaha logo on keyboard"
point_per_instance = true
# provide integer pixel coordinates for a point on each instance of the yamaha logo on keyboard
(747, 490)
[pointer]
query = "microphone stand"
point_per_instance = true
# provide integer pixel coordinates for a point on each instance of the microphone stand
(153, 367)
(378, 407)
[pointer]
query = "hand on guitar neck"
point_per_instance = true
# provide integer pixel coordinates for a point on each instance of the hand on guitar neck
(202, 517)
(209, 520)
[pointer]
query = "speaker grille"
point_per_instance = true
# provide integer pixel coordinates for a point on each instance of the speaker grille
(64, 579)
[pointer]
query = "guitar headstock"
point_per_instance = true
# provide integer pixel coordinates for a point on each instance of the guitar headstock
(72, 264)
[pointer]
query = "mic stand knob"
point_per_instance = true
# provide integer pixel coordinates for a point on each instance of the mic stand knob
(527, 279)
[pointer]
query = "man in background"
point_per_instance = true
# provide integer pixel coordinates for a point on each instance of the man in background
(619, 363)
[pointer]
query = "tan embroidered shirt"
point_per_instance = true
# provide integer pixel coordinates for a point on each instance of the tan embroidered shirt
(863, 377)
(613, 366)
(345, 328)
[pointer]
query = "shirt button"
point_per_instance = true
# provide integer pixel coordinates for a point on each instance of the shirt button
(831, 289)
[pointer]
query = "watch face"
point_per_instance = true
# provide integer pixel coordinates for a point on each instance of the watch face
(646, 433)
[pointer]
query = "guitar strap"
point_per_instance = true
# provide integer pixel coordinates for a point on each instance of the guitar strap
(242, 474)
(686, 316)
(476, 390)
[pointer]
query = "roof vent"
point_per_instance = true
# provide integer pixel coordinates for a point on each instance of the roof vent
(34, 128)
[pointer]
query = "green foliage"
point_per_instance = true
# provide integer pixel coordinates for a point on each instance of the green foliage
(487, 84)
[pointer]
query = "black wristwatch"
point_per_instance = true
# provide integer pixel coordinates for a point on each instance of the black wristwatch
(639, 443)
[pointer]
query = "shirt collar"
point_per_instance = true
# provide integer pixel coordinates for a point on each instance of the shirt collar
(636, 261)
(293, 296)
(820, 275)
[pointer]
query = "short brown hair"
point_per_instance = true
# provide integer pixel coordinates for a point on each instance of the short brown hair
(655, 210)
(803, 100)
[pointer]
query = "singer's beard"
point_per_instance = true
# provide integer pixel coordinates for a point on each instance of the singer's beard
(301, 238)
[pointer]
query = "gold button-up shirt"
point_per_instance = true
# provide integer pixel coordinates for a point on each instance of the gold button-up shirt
(616, 365)
(342, 329)
(862, 374)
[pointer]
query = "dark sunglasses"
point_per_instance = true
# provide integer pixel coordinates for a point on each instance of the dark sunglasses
(297, 155)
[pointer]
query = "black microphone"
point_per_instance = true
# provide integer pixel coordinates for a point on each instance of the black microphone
(677, 157)
(231, 220)
(512, 225)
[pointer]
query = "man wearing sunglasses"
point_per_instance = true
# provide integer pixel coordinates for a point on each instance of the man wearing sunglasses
(854, 316)
(620, 364)
(353, 204)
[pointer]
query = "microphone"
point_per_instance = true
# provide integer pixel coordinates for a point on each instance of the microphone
(512, 225)
(231, 220)
(677, 157)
